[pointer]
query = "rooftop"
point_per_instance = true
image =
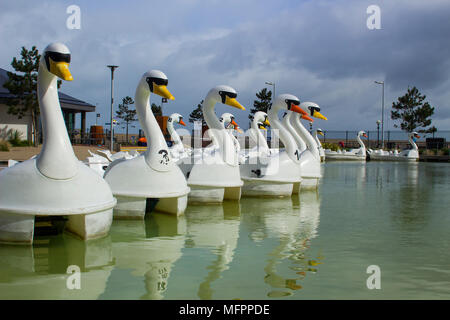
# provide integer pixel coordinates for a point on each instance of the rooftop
(66, 101)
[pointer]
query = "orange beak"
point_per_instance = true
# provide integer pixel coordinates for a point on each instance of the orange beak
(364, 135)
(297, 109)
(182, 122)
(236, 127)
(306, 117)
(417, 136)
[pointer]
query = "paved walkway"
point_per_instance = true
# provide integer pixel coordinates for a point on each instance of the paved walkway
(24, 153)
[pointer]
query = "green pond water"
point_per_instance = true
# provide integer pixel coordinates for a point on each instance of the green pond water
(317, 245)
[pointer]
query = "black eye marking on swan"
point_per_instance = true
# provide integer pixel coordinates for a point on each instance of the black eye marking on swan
(165, 155)
(312, 109)
(56, 57)
(224, 94)
(157, 81)
(290, 102)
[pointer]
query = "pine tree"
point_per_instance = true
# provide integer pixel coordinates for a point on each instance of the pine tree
(413, 112)
(125, 113)
(197, 114)
(23, 87)
(263, 103)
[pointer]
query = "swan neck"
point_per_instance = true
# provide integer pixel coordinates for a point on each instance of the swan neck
(285, 136)
(316, 137)
(290, 123)
(413, 144)
(307, 137)
(149, 124)
(173, 133)
(258, 136)
(210, 116)
(57, 159)
(218, 133)
(360, 141)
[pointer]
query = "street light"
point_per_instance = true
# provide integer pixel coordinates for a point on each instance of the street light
(272, 84)
(112, 102)
(378, 133)
(382, 114)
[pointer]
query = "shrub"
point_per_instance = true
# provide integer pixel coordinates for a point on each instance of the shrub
(4, 145)
(15, 137)
(331, 146)
(25, 143)
(445, 151)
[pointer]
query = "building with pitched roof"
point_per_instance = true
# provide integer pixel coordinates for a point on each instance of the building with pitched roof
(70, 106)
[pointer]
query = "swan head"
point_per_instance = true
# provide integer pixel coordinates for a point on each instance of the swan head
(261, 120)
(178, 118)
(414, 134)
(362, 133)
(288, 102)
(226, 95)
(156, 82)
(313, 109)
(319, 131)
(228, 118)
(56, 60)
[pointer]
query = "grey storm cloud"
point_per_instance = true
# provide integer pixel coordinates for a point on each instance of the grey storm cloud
(411, 48)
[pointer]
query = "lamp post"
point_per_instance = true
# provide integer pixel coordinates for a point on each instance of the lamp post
(272, 84)
(378, 133)
(382, 114)
(112, 103)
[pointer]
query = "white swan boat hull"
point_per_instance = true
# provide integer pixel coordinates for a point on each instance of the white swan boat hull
(345, 156)
(273, 176)
(133, 182)
(392, 157)
(38, 195)
(210, 179)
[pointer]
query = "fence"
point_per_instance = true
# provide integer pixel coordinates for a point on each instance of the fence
(392, 139)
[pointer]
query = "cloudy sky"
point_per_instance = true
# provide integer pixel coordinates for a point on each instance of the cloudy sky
(319, 50)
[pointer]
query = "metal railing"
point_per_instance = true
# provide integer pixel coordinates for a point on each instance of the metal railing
(393, 139)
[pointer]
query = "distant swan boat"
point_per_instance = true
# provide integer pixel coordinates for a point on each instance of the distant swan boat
(410, 155)
(358, 154)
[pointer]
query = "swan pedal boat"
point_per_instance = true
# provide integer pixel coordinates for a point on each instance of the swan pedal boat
(309, 156)
(358, 154)
(55, 183)
(213, 175)
(275, 175)
(153, 174)
(177, 151)
(408, 155)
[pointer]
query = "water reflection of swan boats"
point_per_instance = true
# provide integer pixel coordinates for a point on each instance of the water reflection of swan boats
(294, 223)
(216, 228)
(40, 271)
(149, 248)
